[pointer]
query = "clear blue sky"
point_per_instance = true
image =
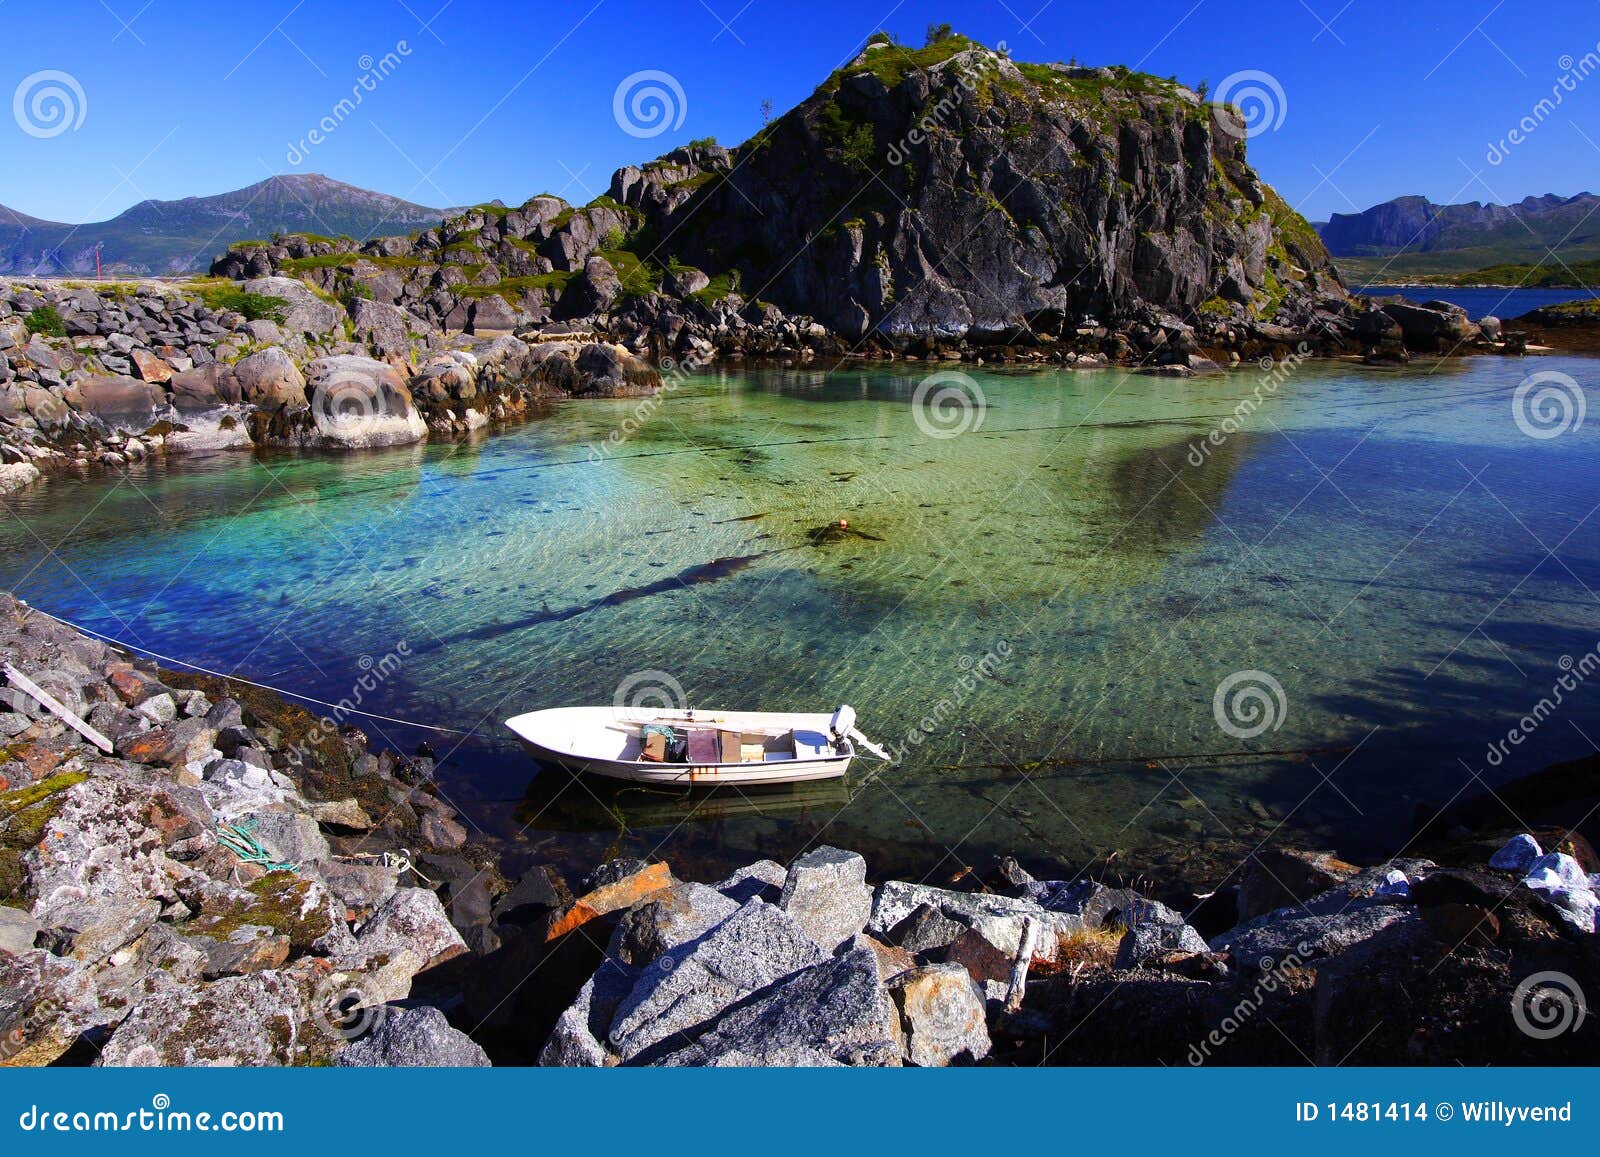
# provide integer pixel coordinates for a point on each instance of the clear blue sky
(506, 99)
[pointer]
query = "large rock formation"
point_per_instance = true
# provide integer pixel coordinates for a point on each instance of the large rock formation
(954, 192)
(945, 195)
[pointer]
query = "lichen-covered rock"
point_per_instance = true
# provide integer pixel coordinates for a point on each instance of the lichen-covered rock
(836, 1012)
(755, 947)
(826, 892)
(413, 920)
(45, 1002)
(942, 1013)
(265, 1018)
(415, 1038)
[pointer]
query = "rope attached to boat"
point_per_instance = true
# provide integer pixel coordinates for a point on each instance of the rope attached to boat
(239, 679)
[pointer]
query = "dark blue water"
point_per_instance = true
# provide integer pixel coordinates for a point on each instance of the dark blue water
(1502, 303)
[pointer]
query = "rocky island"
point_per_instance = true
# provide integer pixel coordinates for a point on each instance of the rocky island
(1084, 217)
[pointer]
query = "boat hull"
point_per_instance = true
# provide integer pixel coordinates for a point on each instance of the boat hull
(558, 736)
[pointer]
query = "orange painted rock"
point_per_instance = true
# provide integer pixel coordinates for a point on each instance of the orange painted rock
(625, 893)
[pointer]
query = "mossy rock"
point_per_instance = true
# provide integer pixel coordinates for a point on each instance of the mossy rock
(25, 813)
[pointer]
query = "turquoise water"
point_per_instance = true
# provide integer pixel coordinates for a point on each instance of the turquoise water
(1390, 548)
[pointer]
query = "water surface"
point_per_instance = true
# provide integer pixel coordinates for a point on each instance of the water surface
(1389, 547)
(1482, 302)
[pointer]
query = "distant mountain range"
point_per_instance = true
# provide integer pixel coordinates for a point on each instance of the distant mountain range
(1412, 235)
(162, 237)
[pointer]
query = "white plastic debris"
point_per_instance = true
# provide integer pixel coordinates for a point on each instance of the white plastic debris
(1518, 854)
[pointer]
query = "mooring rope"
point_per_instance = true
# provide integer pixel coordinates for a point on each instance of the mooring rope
(340, 707)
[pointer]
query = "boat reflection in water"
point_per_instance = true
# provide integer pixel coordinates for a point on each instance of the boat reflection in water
(560, 800)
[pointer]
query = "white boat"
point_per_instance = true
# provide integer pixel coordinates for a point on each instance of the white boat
(694, 748)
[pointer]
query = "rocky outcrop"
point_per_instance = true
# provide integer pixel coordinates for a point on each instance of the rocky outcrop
(946, 199)
(151, 369)
(131, 916)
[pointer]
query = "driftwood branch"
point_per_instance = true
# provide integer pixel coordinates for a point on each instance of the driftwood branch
(52, 705)
(1019, 969)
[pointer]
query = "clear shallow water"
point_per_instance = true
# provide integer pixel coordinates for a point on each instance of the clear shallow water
(1479, 302)
(1377, 542)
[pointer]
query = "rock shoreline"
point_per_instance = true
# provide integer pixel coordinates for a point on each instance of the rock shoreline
(108, 375)
(364, 927)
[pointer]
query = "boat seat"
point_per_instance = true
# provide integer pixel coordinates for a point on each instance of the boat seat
(811, 744)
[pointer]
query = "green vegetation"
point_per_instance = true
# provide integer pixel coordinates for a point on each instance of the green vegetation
(854, 140)
(513, 288)
(703, 143)
(720, 287)
(221, 294)
(638, 278)
(24, 815)
(699, 180)
(1557, 275)
(46, 322)
(891, 65)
